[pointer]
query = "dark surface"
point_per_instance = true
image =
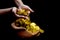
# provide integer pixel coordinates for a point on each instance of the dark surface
(40, 16)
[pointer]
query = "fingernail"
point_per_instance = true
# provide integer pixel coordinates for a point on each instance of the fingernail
(32, 11)
(28, 11)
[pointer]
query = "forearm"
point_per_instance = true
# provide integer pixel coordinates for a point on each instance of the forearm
(3, 11)
(18, 2)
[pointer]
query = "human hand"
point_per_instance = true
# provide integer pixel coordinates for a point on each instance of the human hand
(26, 7)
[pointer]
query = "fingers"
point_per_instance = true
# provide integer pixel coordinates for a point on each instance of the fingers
(21, 16)
(22, 28)
(30, 9)
(26, 8)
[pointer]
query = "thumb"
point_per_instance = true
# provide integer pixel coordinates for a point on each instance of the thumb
(14, 9)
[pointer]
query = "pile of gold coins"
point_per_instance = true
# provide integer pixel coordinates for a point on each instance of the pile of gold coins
(30, 26)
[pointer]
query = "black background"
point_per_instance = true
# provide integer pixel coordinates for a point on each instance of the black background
(40, 16)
